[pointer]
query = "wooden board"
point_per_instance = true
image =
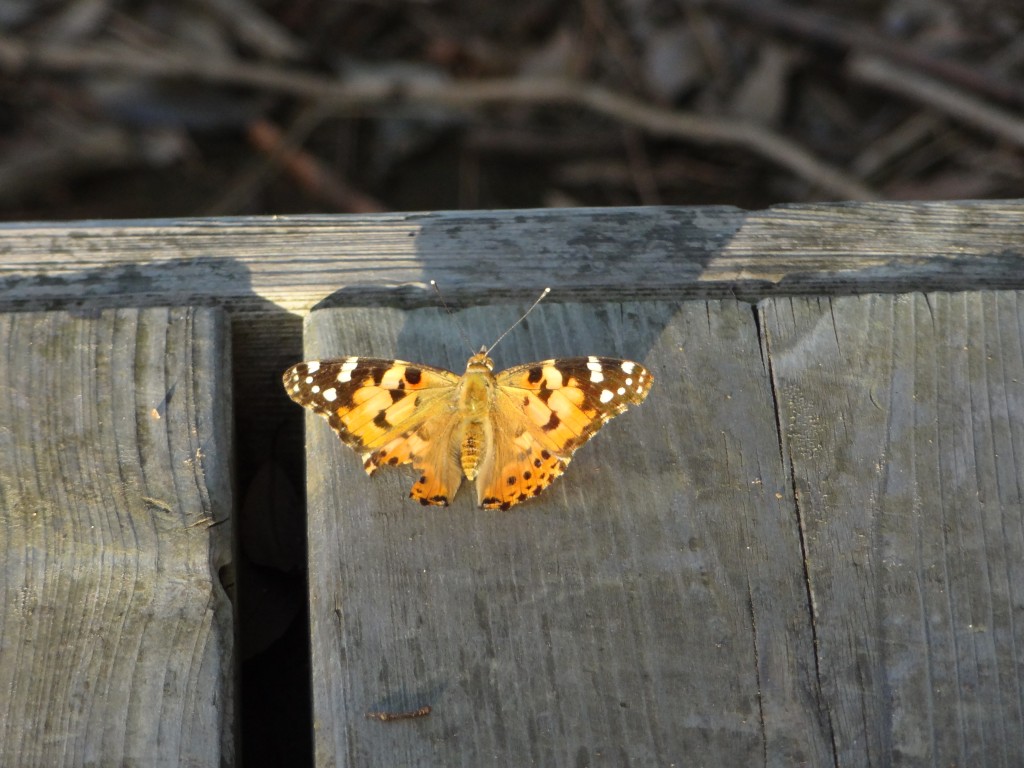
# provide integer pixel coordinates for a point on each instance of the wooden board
(648, 609)
(254, 265)
(268, 272)
(904, 420)
(115, 500)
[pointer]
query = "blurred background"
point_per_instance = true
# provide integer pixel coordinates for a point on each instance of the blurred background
(224, 107)
(149, 108)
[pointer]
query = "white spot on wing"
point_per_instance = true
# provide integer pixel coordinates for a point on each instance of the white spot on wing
(345, 374)
(628, 366)
(596, 376)
(606, 395)
(313, 367)
(330, 395)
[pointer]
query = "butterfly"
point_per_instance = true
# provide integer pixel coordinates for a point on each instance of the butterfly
(512, 432)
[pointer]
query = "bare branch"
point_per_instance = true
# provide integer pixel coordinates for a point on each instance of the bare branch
(365, 94)
(948, 99)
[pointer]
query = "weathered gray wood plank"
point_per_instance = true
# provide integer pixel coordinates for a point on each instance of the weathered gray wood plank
(115, 498)
(648, 609)
(256, 264)
(269, 271)
(904, 418)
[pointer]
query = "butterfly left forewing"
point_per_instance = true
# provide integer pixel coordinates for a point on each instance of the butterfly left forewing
(543, 412)
(390, 411)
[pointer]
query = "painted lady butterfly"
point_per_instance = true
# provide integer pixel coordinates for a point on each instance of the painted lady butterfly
(513, 432)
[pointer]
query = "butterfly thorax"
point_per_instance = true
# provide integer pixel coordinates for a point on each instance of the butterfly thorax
(476, 396)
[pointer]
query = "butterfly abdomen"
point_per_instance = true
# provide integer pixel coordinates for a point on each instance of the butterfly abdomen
(476, 396)
(471, 447)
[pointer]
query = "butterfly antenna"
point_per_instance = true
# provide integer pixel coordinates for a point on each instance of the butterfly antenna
(540, 298)
(453, 316)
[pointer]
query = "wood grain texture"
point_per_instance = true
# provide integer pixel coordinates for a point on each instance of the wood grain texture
(292, 263)
(904, 420)
(115, 497)
(648, 609)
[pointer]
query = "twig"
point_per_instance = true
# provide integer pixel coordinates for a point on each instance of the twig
(714, 130)
(284, 152)
(842, 33)
(952, 101)
(309, 171)
(613, 39)
(387, 717)
(883, 150)
(16, 56)
(257, 29)
(639, 164)
(26, 169)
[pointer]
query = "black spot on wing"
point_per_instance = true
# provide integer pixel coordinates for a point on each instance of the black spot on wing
(344, 401)
(437, 501)
(535, 374)
(570, 368)
(381, 420)
(553, 422)
(413, 375)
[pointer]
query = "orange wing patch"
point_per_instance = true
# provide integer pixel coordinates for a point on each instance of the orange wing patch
(517, 477)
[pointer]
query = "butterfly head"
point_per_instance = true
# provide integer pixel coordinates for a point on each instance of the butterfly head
(480, 362)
